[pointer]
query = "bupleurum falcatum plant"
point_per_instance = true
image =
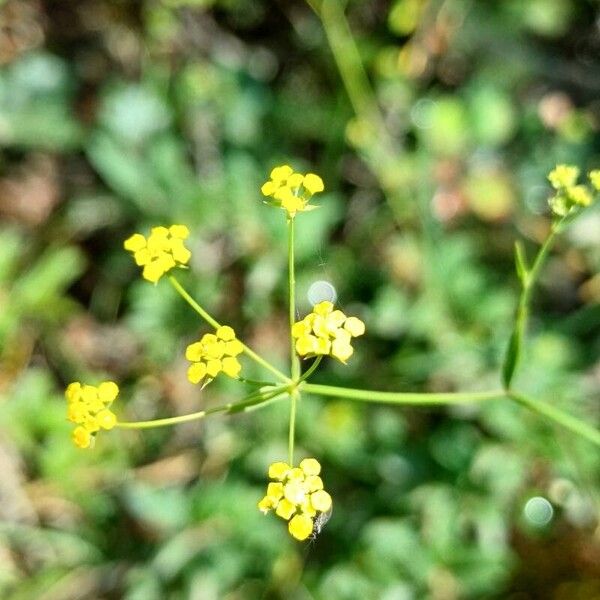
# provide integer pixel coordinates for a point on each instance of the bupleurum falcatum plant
(296, 492)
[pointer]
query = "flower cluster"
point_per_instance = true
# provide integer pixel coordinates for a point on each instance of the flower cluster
(327, 331)
(568, 194)
(214, 353)
(89, 408)
(292, 191)
(161, 251)
(296, 495)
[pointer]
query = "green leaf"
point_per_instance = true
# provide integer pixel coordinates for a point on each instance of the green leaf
(511, 360)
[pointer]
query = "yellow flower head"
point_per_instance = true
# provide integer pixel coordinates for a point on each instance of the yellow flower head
(563, 176)
(160, 252)
(88, 407)
(568, 195)
(215, 352)
(297, 496)
(291, 191)
(595, 179)
(327, 331)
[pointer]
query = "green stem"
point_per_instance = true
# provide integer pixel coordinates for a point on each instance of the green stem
(294, 360)
(214, 323)
(414, 398)
(311, 369)
(529, 279)
(558, 416)
(253, 400)
(294, 395)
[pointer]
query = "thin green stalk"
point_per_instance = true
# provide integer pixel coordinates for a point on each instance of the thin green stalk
(311, 369)
(413, 398)
(294, 395)
(252, 400)
(214, 323)
(558, 416)
(294, 361)
(528, 281)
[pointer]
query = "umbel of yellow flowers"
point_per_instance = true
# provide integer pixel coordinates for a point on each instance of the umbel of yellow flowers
(162, 251)
(89, 408)
(296, 495)
(569, 195)
(327, 331)
(291, 191)
(215, 352)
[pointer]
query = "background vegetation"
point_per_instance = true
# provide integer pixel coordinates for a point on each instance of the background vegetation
(116, 116)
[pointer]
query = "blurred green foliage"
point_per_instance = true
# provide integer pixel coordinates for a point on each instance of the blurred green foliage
(116, 116)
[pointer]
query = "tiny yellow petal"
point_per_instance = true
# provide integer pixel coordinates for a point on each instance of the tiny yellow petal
(279, 470)
(281, 173)
(214, 349)
(225, 333)
(209, 338)
(194, 352)
(321, 500)
(153, 272)
(294, 180)
(295, 492)
(73, 391)
(595, 179)
(265, 505)
(314, 483)
(106, 419)
(89, 394)
(196, 372)
(275, 491)
(323, 346)
(234, 347)
(313, 183)
(81, 437)
(213, 367)
(231, 366)
(319, 326)
(300, 527)
(285, 509)
(335, 320)
(134, 243)
(268, 188)
(108, 391)
(323, 308)
(179, 231)
(354, 326)
(180, 253)
(159, 232)
(310, 466)
(91, 424)
(306, 344)
(341, 350)
(299, 329)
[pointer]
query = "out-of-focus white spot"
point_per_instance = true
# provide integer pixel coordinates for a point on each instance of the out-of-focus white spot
(320, 291)
(420, 113)
(538, 511)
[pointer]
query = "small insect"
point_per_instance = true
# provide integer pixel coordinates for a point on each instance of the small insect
(320, 521)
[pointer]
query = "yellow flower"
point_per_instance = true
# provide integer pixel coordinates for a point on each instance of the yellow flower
(291, 191)
(595, 179)
(297, 496)
(89, 408)
(162, 251)
(563, 176)
(568, 195)
(213, 354)
(326, 331)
